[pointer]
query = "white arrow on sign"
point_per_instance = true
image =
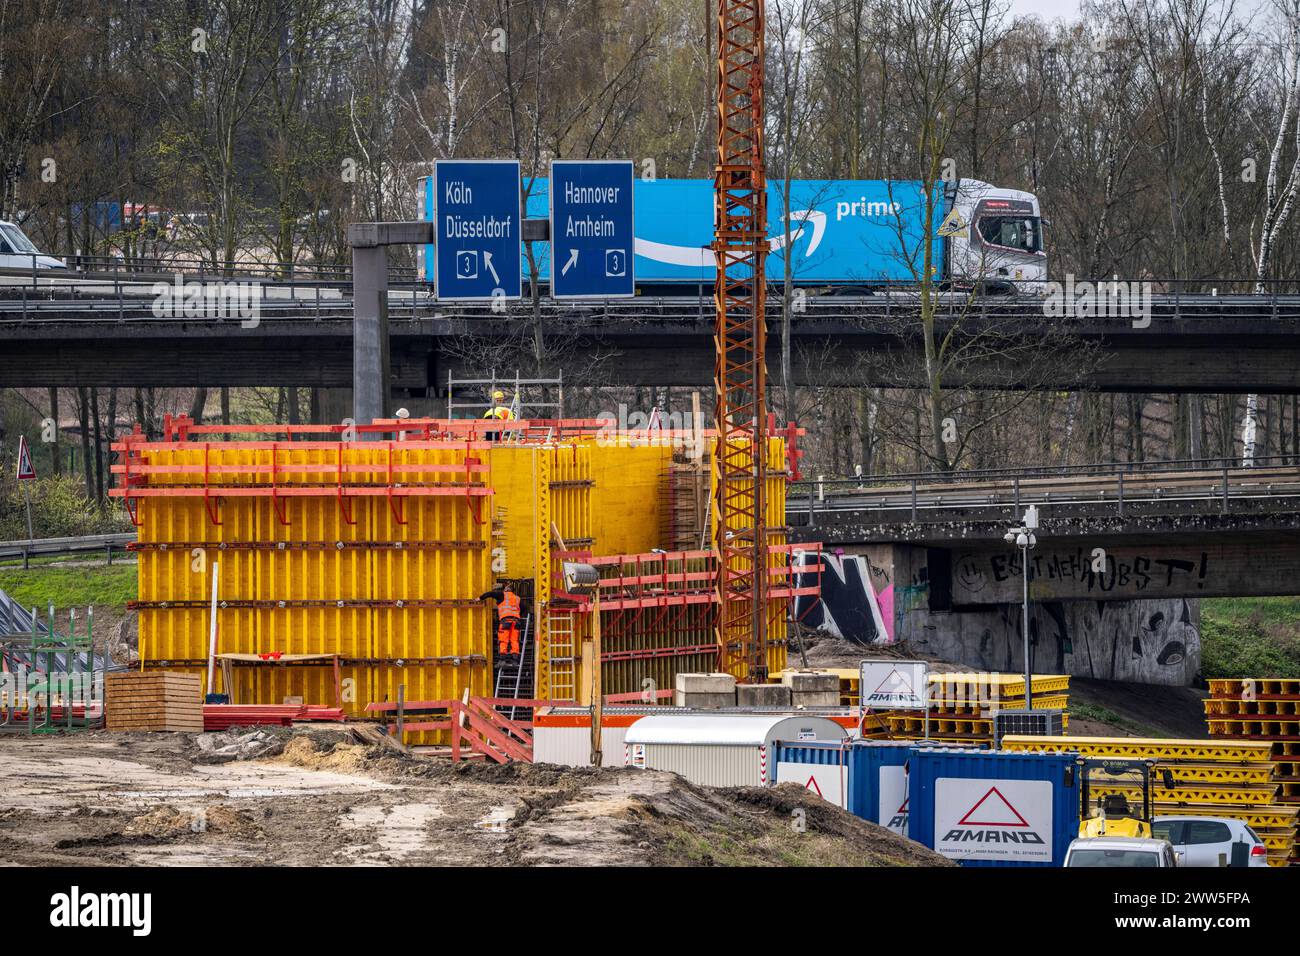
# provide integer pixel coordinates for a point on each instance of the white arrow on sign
(573, 261)
(487, 261)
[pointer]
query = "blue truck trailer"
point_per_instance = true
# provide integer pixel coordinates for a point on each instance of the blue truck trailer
(843, 234)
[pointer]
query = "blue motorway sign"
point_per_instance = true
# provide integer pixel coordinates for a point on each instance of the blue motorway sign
(592, 242)
(476, 229)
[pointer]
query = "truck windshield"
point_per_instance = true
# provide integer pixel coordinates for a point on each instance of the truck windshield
(1022, 233)
(1130, 858)
(17, 240)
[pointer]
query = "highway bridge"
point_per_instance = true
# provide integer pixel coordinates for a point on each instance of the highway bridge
(101, 329)
(1107, 532)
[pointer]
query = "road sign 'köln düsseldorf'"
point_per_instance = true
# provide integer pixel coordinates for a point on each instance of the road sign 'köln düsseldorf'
(476, 229)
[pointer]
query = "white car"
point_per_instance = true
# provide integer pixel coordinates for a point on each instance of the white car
(1211, 841)
(18, 252)
(1132, 852)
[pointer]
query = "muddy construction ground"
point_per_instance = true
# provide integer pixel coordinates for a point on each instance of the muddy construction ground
(323, 798)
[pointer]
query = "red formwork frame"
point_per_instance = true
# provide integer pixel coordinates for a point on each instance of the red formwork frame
(203, 479)
(652, 593)
(531, 430)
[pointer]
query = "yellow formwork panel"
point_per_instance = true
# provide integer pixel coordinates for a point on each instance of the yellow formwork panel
(1249, 774)
(293, 568)
(629, 496)
(1287, 709)
(514, 508)
(1192, 793)
(572, 487)
(1250, 688)
(1007, 685)
(1145, 748)
(1273, 818)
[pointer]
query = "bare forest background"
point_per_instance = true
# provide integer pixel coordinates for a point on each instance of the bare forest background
(1161, 136)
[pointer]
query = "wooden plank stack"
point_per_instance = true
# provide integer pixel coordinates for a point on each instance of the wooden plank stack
(154, 700)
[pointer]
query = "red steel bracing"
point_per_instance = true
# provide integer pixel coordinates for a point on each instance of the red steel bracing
(740, 253)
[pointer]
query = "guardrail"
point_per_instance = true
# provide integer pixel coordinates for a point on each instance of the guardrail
(932, 496)
(887, 315)
(44, 547)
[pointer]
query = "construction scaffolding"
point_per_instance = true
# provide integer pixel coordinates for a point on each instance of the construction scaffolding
(50, 681)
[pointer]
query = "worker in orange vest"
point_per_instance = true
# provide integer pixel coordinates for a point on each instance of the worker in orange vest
(509, 610)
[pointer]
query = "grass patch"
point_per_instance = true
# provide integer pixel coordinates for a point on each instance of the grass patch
(1088, 711)
(1250, 637)
(103, 586)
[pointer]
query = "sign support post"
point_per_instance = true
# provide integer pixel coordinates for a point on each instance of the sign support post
(26, 473)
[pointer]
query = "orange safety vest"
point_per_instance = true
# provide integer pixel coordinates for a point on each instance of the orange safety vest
(501, 412)
(508, 608)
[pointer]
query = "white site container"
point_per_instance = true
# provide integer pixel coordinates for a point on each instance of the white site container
(562, 735)
(721, 750)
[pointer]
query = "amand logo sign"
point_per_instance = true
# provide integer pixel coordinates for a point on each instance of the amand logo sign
(889, 684)
(993, 819)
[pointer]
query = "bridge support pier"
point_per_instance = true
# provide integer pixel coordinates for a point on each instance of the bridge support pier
(370, 360)
(371, 365)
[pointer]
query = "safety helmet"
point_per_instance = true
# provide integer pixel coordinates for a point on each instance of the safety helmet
(498, 396)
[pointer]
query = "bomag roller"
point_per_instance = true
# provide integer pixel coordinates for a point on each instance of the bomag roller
(1113, 816)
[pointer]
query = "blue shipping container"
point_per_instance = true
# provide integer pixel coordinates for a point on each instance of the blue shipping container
(822, 768)
(878, 782)
(993, 808)
(846, 231)
(865, 777)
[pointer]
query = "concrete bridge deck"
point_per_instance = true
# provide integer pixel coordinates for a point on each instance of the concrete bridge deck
(304, 337)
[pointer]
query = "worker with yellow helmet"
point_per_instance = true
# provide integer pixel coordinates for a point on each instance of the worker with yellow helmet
(499, 410)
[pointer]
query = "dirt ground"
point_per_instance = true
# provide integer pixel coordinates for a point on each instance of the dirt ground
(140, 799)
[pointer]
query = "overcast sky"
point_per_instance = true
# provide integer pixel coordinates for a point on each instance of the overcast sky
(1045, 9)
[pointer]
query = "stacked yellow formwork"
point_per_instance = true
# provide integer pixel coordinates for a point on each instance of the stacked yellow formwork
(1212, 778)
(1263, 709)
(369, 554)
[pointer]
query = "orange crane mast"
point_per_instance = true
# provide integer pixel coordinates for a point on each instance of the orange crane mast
(740, 250)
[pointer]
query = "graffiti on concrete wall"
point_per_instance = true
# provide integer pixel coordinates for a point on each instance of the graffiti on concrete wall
(1150, 641)
(993, 576)
(857, 599)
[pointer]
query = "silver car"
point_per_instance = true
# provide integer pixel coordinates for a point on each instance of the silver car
(1211, 841)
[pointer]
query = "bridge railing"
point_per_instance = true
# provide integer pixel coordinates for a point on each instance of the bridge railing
(926, 496)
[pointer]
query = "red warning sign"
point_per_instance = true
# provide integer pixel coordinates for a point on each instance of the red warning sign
(25, 470)
(812, 785)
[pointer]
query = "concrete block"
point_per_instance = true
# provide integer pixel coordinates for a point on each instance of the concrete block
(703, 701)
(762, 695)
(811, 682)
(705, 684)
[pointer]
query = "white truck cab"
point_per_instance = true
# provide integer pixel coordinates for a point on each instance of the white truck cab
(995, 238)
(18, 252)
